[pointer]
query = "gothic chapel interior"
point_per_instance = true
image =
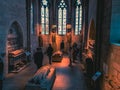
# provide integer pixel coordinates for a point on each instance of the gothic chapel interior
(91, 27)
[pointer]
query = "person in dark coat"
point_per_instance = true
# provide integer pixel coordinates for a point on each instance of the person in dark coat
(70, 56)
(62, 46)
(40, 40)
(1, 74)
(74, 52)
(38, 57)
(89, 65)
(49, 53)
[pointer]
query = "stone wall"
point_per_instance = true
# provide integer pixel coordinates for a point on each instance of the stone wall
(106, 31)
(112, 82)
(115, 22)
(11, 10)
(92, 12)
(110, 63)
(104, 38)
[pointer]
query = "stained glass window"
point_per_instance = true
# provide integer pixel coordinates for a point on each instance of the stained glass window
(62, 12)
(45, 17)
(78, 18)
(31, 19)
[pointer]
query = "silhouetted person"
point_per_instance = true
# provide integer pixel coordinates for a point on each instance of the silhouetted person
(75, 52)
(40, 40)
(70, 56)
(62, 46)
(1, 74)
(80, 52)
(38, 57)
(53, 37)
(89, 65)
(49, 53)
(74, 45)
(81, 36)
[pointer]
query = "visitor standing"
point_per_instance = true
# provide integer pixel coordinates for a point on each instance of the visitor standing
(38, 57)
(70, 56)
(62, 46)
(40, 40)
(49, 53)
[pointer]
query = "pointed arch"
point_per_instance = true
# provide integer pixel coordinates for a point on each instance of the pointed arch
(32, 17)
(91, 35)
(15, 37)
(45, 16)
(78, 17)
(62, 14)
(92, 30)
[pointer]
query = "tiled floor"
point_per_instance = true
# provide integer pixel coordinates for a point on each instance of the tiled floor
(67, 78)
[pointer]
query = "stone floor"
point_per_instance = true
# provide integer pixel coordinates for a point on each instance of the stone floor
(67, 78)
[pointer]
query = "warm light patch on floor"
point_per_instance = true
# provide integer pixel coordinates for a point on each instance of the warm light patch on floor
(68, 78)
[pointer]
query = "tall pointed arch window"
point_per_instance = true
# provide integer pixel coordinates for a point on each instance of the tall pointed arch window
(78, 17)
(62, 13)
(31, 19)
(45, 17)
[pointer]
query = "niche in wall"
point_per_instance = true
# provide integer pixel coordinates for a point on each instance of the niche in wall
(16, 53)
(15, 38)
(91, 36)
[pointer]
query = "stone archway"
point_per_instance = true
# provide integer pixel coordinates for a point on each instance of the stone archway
(92, 31)
(90, 51)
(91, 35)
(15, 37)
(14, 40)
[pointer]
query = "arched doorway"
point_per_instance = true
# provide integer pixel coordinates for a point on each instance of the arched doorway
(14, 45)
(91, 48)
(15, 37)
(91, 37)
